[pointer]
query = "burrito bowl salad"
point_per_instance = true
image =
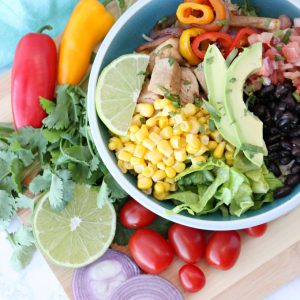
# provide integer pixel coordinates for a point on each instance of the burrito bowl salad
(206, 112)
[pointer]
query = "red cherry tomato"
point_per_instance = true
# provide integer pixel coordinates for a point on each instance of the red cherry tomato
(223, 249)
(191, 278)
(256, 231)
(150, 251)
(188, 243)
(134, 215)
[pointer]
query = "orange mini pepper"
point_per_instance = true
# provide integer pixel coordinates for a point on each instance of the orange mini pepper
(185, 13)
(185, 46)
(88, 25)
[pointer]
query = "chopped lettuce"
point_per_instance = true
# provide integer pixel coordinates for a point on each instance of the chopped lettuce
(214, 186)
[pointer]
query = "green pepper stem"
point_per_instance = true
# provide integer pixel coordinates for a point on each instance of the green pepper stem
(45, 27)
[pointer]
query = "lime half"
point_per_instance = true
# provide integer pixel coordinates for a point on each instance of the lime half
(118, 89)
(77, 235)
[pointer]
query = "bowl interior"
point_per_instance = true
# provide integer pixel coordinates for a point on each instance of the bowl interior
(125, 36)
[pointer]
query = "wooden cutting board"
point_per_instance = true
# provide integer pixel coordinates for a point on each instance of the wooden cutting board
(264, 265)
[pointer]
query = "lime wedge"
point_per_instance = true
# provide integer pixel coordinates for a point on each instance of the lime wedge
(118, 89)
(77, 235)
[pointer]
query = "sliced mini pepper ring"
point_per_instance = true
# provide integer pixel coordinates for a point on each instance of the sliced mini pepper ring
(185, 46)
(221, 18)
(223, 38)
(241, 39)
(185, 13)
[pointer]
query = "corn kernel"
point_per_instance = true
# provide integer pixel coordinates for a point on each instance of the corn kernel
(202, 150)
(148, 172)
(168, 109)
(170, 172)
(144, 183)
(145, 109)
(172, 121)
(163, 122)
(167, 186)
(129, 147)
(148, 191)
(161, 166)
(204, 110)
(159, 188)
(159, 175)
(202, 120)
(230, 162)
(155, 138)
(179, 118)
(159, 104)
(229, 155)
(198, 159)
(189, 109)
(191, 150)
(160, 197)
(124, 155)
(132, 137)
(186, 126)
(151, 122)
(134, 128)
(176, 142)
(136, 120)
(165, 148)
(212, 145)
(195, 126)
(128, 165)
(121, 166)
(154, 129)
(173, 188)
(139, 151)
(153, 166)
(170, 180)
(177, 130)
(124, 139)
(193, 141)
(147, 143)
(229, 147)
(113, 146)
(180, 155)
(204, 140)
(179, 167)
(142, 134)
(219, 151)
(136, 161)
(169, 161)
(199, 114)
(216, 136)
(154, 156)
(166, 133)
(139, 168)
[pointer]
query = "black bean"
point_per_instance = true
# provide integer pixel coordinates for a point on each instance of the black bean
(272, 106)
(296, 151)
(274, 130)
(298, 159)
(297, 109)
(273, 139)
(285, 160)
(285, 153)
(283, 191)
(274, 147)
(277, 115)
(275, 169)
(286, 129)
(268, 89)
(295, 169)
(295, 142)
(273, 156)
(289, 101)
(288, 116)
(292, 180)
(286, 145)
(295, 132)
(282, 106)
(281, 91)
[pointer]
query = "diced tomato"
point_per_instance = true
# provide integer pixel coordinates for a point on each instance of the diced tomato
(291, 52)
(267, 68)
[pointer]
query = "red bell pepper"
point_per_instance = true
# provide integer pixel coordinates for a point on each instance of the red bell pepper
(33, 75)
(241, 39)
(222, 38)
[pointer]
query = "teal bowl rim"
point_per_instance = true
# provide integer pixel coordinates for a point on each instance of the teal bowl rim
(148, 201)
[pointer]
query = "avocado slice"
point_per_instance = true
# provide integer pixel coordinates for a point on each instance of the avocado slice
(248, 127)
(215, 70)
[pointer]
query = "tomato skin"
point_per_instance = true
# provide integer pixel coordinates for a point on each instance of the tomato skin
(223, 249)
(256, 231)
(150, 250)
(191, 278)
(188, 243)
(134, 215)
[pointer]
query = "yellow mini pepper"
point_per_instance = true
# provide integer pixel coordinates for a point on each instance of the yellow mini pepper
(185, 13)
(185, 47)
(88, 25)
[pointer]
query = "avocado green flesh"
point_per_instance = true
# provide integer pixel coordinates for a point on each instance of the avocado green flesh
(249, 128)
(215, 70)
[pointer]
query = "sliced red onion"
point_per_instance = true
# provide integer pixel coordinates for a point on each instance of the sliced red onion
(98, 280)
(152, 45)
(147, 287)
(174, 31)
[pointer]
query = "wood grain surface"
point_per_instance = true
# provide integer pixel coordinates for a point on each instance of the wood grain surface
(265, 263)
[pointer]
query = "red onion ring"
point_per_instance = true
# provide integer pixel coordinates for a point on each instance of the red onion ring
(174, 31)
(146, 287)
(85, 284)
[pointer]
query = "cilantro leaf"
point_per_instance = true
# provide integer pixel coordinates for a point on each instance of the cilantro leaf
(16, 168)
(47, 105)
(103, 195)
(116, 192)
(41, 183)
(7, 209)
(24, 202)
(56, 193)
